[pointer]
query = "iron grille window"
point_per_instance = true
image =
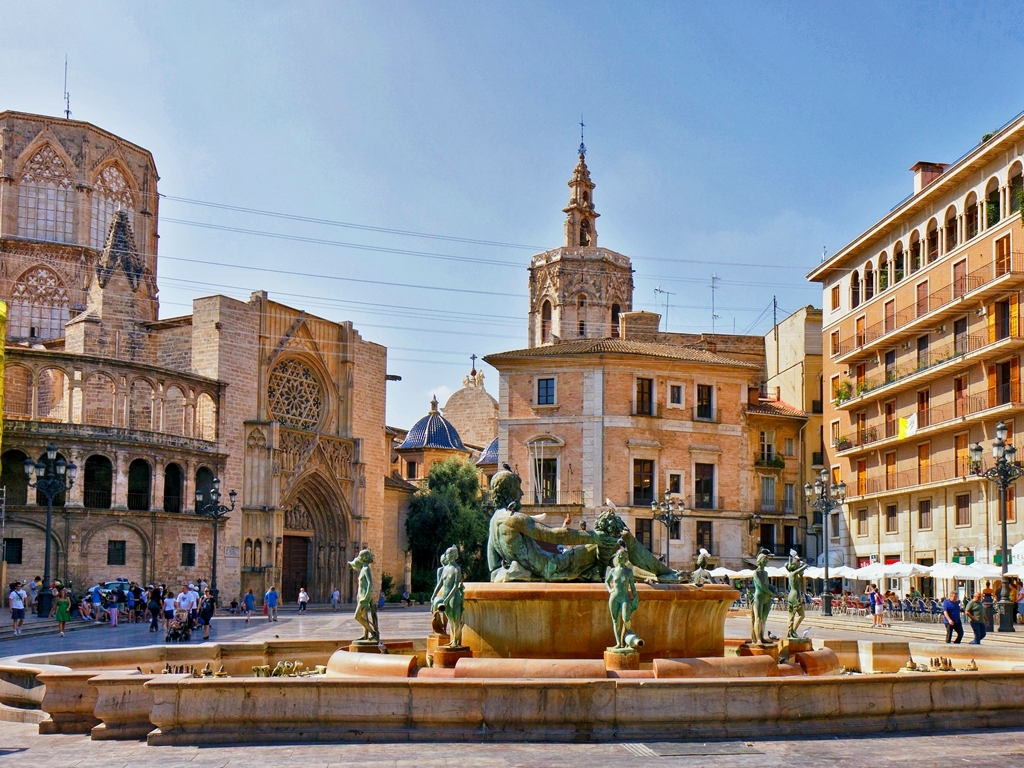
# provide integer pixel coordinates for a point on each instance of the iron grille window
(116, 552)
(704, 401)
(644, 401)
(188, 555)
(643, 481)
(12, 551)
(705, 535)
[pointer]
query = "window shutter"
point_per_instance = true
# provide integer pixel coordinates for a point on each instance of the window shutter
(991, 386)
(991, 312)
(1015, 379)
(1014, 314)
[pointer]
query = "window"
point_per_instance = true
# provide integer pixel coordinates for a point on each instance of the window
(768, 503)
(675, 482)
(1002, 256)
(790, 446)
(862, 522)
(855, 289)
(675, 394)
(705, 535)
(188, 555)
(768, 537)
(38, 306)
(924, 514)
(963, 509)
(172, 488)
(643, 481)
(116, 551)
(835, 343)
(98, 481)
(767, 446)
(545, 391)
(615, 320)
(789, 537)
(835, 297)
(922, 352)
(674, 530)
(789, 498)
(410, 470)
(892, 519)
(547, 476)
(961, 342)
(833, 526)
(581, 316)
(889, 316)
(1011, 507)
(12, 551)
(110, 194)
(644, 399)
(705, 404)
(545, 322)
(138, 485)
(645, 533)
(46, 199)
(834, 428)
(835, 388)
(703, 486)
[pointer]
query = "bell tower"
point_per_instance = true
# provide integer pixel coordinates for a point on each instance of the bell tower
(578, 291)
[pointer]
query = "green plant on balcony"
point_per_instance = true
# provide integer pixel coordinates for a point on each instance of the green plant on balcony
(992, 213)
(843, 443)
(844, 391)
(775, 461)
(1018, 196)
(862, 387)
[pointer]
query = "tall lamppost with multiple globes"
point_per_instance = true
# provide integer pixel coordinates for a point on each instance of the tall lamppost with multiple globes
(1003, 474)
(216, 511)
(54, 476)
(825, 497)
(668, 512)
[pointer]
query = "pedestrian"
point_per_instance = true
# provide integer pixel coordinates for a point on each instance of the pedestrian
(335, 597)
(406, 598)
(97, 601)
(270, 602)
(381, 600)
(249, 601)
(112, 607)
(155, 606)
(207, 607)
(988, 603)
(63, 610)
(16, 602)
(169, 607)
(303, 599)
(33, 590)
(975, 611)
(951, 618)
(193, 596)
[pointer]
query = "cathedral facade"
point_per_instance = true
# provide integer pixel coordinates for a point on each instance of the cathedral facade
(282, 406)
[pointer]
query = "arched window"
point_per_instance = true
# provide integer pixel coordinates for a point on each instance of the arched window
(932, 241)
(53, 392)
(138, 485)
(993, 208)
(140, 406)
(174, 411)
(58, 500)
(206, 418)
(951, 233)
(172, 488)
(898, 263)
(581, 315)
(17, 391)
(585, 232)
(1016, 187)
(545, 322)
(883, 272)
(111, 194)
(46, 199)
(615, 320)
(855, 289)
(916, 262)
(100, 397)
(38, 307)
(869, 282)
(204, 484)
(971, 218)
(13, 477)
(99, 480)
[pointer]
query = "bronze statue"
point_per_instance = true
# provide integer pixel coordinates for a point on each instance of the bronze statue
(623, 600)
(448, 598)
(761, 604)
(795, 599)
(366, 608)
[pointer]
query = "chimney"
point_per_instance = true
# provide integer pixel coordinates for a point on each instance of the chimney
(639, 326)
(926, 173)
(753, 395)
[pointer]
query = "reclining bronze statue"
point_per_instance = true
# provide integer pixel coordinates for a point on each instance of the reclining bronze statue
(513, 552)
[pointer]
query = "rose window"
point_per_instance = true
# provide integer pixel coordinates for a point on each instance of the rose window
(295, 397)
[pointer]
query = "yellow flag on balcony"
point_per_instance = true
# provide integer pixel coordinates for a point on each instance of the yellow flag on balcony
(908, 426)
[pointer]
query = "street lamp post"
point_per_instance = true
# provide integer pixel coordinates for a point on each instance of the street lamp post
(53, 477)
(216, 511)
(824, 497)
(1003, 474)
(667, 512)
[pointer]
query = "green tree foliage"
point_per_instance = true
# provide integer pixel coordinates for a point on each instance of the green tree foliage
(450, 510)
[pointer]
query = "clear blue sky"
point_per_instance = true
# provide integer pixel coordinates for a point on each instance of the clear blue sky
(719, 134)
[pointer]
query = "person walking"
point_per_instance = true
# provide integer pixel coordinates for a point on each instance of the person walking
(33, 591)
(975, 611)
(169, 605)
(155, 606)
(112, 607)
(248, 603)
(951, 618)
(303, 599)
(207, 607)
(16, 602)
(270, 600)
(63, 611)
(335, 597)
(988, 602)
(96, 594)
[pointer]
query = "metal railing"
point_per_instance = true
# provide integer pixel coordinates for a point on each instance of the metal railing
(818, 459)
(96, 498)
(562, 498)
(711, 415)
(172, 503)
(923, 474)
(138, 501)
(706, 501)
(817, 406)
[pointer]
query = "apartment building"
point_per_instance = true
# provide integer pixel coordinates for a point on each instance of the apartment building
(923, 336)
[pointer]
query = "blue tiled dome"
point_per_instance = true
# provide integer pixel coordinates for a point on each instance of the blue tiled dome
(490, 454)
(433, 431)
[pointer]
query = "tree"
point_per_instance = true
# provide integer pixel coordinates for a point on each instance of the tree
(450, 510)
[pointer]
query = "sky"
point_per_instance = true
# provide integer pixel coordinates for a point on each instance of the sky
(730, 139)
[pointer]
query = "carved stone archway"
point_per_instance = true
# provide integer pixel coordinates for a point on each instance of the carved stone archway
(317, 530)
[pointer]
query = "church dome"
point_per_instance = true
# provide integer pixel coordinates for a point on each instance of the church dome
(490, 454)
(433, 431)
(473, 411)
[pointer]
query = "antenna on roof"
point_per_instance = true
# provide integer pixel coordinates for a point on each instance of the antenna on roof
(714, 317)
(583, 147)
(667, 295)
(824, 252)
(67, 96)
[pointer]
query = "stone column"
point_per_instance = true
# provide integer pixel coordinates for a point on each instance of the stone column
(188, 488)
(156, 503)
(76, 496)
(120, 489)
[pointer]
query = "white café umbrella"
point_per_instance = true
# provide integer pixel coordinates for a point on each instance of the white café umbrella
(815, 572)
(842, 572)
(870, 572)
(723, 571)
(777, 572)
(972, 572)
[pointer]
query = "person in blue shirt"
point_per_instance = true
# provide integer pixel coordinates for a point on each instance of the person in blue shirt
(951, 618)
(248, 604)
(271, 600)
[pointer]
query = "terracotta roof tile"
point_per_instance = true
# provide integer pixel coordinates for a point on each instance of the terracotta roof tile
(776, 408)
(623, 347)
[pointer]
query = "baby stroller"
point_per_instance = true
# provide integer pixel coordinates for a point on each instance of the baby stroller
(180, 631)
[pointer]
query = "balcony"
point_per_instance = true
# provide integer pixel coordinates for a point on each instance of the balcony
(777, 506)
(710, 415)
(559, 499)
(817, 406)
(818, 459)
(957, 470)
(781, 550)
(707, 501)
(930, 308)
(769, 462)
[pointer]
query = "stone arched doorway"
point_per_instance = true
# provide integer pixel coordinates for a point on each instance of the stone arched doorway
(315, 545)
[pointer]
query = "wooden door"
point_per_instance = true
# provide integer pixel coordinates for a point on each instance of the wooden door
(890, 471)
(890, 315)
(862, 477)
(960, 395)
(1002, 256)
(295, 567)
(860, 332)
(923, 461)
(922, 298)
(963, 456)
(959, 279)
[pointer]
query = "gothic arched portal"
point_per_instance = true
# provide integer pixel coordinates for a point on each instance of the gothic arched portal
(316, 535)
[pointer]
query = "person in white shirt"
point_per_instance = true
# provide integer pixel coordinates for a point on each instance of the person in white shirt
(193, 596)
(17, 599)
(183, 602)
(335, 597)
(168, 611)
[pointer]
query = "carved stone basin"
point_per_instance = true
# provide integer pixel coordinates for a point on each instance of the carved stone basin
(571, 621)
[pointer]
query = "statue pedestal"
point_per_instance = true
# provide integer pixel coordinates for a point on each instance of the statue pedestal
(529, 620)
(793, 646)
(434, 641)
(363, 646)
(447, 658)
(621, 658)
(759, 649)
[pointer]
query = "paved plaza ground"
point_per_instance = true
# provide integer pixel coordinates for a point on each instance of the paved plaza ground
(20, 744)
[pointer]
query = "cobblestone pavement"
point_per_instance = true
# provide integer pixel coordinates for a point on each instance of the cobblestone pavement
(20, 745)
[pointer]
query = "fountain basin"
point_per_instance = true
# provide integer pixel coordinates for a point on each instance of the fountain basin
(571, 621)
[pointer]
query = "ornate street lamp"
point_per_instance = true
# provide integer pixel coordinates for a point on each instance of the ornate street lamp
(216, 512)
(668, 512)
(1003, 474)
(53, 477)
(825, 497)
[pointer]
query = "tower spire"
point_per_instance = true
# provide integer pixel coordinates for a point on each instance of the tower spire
(580, 219)
(583, 147)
